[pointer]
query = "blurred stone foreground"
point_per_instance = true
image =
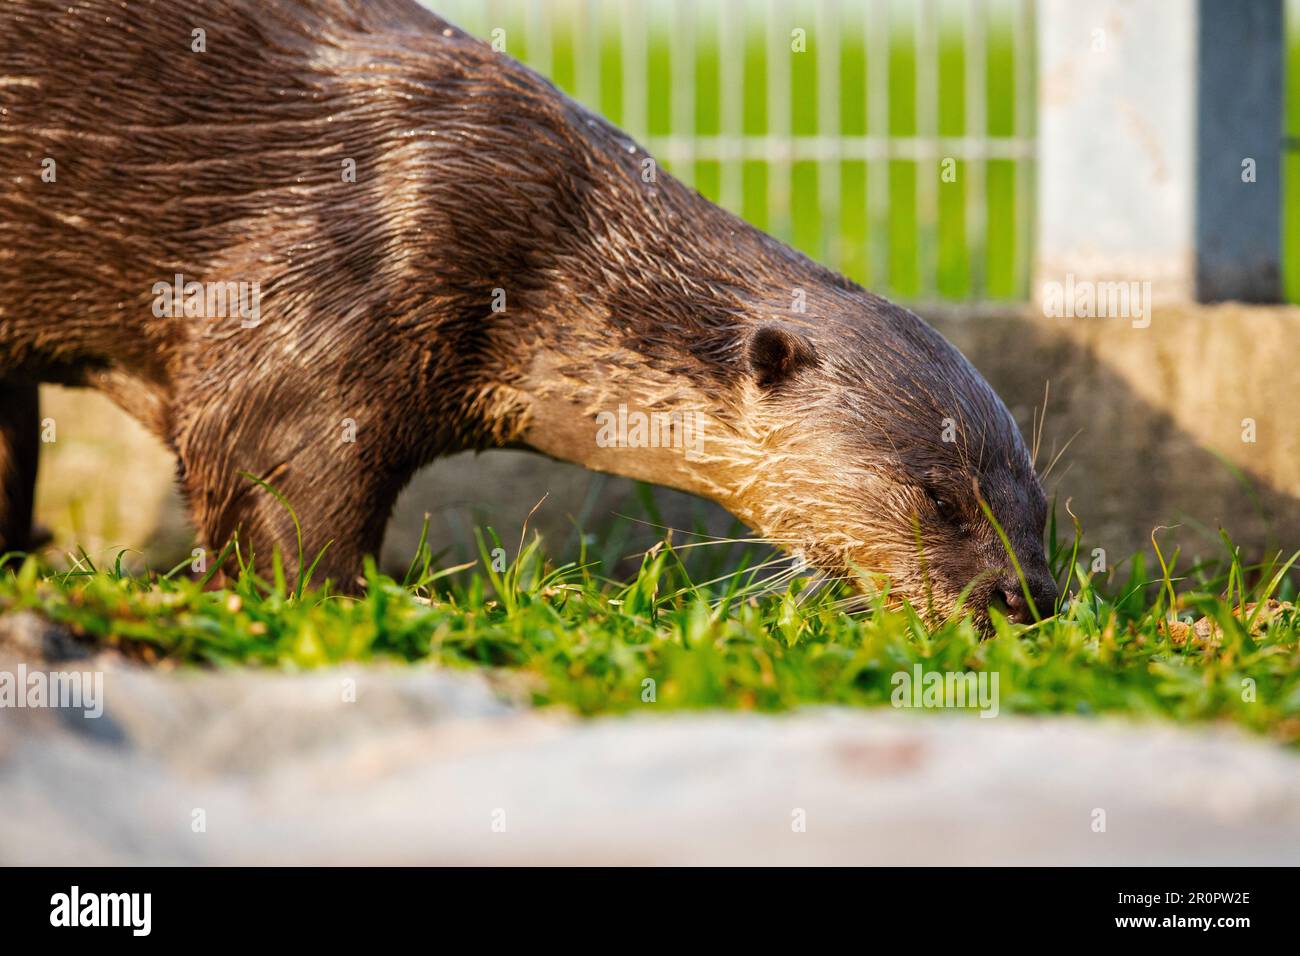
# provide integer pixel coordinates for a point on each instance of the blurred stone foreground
(428, 766)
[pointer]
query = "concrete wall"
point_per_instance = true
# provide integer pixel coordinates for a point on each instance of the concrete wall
(1159, 413)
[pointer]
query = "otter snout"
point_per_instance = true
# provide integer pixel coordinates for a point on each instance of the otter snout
(1009, 597)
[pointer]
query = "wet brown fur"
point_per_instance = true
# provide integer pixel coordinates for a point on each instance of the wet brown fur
(473, 175)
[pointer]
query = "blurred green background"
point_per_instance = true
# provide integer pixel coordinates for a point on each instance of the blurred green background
(710, 77)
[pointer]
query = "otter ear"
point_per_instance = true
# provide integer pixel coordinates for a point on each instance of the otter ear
(776, 353)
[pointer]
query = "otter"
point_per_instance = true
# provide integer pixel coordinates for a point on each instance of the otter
(318, 243)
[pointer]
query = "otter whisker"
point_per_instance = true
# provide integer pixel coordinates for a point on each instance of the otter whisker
(663, 527)
(774, 542)
(1060, 478)
(711, 539)
(1063, 450)
(1039, 423)
(820, 583)
(856, 604)
(727, 577)
(772, 583)
(776, 582)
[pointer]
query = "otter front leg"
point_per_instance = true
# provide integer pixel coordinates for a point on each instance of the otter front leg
(341, 497)
(19, 447)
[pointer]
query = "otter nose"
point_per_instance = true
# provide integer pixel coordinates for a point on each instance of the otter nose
(1041, 589)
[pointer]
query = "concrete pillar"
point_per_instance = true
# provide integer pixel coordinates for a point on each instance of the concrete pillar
(1160, 134)
(1239, 89)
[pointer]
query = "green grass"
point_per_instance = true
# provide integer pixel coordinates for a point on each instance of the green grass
(577, 639)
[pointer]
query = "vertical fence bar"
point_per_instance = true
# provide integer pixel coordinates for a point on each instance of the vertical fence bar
(731, 88)
(496, 17)
(633, 44)
(683, 91)
(586, 54)
(477, 14)
(1022, 45)
(975, 130)
(451, 12)
(927, 133)
(876, 27)
(778, 121)
(539, 37)
(828, 129)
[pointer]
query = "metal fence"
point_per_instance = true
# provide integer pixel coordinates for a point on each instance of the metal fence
(891, 140)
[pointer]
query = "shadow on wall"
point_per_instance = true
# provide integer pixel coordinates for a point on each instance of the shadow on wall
(106, 484)
(1158, 413)
(499, 489)
(1190, 422)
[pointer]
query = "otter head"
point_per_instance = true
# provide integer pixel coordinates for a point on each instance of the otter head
(878, 449)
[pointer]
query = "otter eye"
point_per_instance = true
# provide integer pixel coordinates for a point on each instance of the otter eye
(943, 504)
